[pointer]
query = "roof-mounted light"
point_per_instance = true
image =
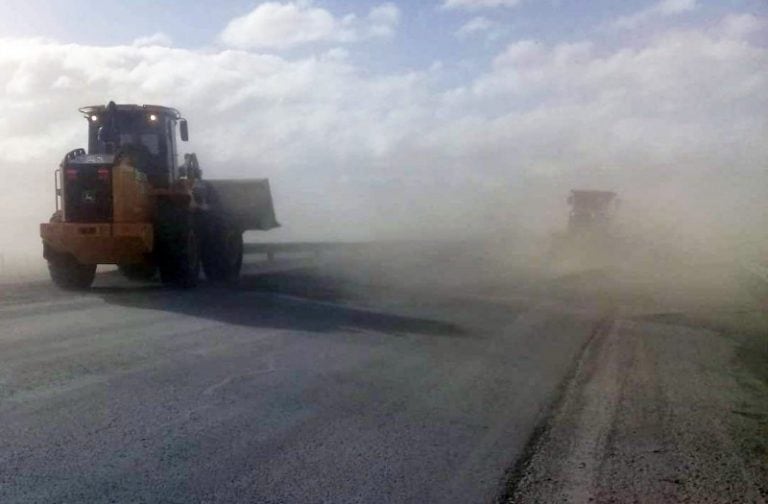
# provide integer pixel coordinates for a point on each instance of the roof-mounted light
(152, 117)
(95, 118)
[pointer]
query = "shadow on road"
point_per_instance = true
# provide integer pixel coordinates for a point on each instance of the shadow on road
(253, 303)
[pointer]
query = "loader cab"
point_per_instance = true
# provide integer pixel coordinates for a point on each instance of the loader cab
(150, 129)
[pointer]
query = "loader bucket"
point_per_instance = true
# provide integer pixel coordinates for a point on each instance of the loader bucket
(247, 204)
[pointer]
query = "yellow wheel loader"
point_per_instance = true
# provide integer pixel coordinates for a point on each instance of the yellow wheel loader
(127, 201)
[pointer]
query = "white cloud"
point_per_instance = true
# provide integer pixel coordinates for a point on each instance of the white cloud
(742, 25)
(275, 25)
(663, 8)
(664, 104)
(383, 19)
(157, 39)
(474, 26)
(671, 7)
(478, 4)
(522, 52)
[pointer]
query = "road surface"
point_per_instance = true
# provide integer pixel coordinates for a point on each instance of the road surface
(281, 390)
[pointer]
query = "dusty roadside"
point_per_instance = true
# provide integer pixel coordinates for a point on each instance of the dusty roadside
(668, 403)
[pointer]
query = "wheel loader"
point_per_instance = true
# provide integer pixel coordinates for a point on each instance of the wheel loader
(127, 201)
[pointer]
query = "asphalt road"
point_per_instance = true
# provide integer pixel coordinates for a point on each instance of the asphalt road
(273, 394)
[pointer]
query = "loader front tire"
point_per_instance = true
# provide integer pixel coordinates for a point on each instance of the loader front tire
(69, 274)
(222, 253)
(178, 247)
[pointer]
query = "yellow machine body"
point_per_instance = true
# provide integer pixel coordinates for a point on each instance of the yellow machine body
(100, 243)
(126, 240)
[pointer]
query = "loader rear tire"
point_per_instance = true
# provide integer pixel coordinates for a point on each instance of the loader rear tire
(222, 253)
(69, 274)
(178, 247)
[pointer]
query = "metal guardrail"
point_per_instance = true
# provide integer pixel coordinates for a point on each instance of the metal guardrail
(264, 248)
(393, 246)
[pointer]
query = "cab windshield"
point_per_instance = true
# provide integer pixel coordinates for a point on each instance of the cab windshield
(132, 127)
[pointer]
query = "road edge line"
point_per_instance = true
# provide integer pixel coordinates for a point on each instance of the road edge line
(514, 476)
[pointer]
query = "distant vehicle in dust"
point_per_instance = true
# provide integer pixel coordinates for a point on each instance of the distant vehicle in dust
(590, 239)
(591, 210)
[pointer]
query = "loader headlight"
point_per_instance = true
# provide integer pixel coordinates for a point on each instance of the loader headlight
(152, 117)
(95, 118)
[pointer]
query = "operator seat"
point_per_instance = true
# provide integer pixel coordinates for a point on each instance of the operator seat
(144, 161)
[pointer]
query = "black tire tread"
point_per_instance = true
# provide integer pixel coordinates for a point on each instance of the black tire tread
(68, 274)
(221, 251)
(174, 234)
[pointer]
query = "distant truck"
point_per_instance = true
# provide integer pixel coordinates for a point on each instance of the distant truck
(126, 201)
(591, 210)
(590, 237)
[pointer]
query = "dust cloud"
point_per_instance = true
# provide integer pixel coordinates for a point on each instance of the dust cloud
(496, 237)
(677, 239)
(27, 201)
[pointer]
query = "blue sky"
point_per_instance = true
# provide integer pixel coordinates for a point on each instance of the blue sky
(426, 32)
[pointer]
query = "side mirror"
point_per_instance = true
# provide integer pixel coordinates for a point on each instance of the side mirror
(184, 130)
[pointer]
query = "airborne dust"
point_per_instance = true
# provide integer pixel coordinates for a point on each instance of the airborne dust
(469, 234)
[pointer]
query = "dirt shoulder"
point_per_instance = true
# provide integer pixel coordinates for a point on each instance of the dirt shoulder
(669, 403)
